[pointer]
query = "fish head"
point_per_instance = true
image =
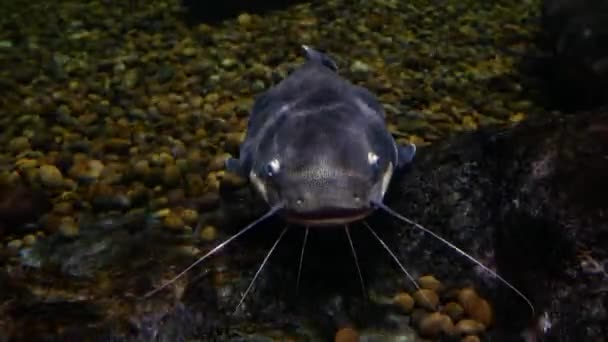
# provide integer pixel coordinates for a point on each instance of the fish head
(323, 170)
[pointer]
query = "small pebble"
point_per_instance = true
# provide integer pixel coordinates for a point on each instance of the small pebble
(470, 338)
(87, 170)
(347, 335)
(141, 168)
(19, 144)
(50, 176)
(405, 301)
(218, 162)
(454, 310)
(244, 19)
(173, 222)
(68, 227)
(359, 67)
(29, 240)
(208, 233)
(171, 175)
(475, 306)
(426, 298)
(189, 51)
(190, 216)
(430, 282)
(212, 183)
(14, 245)
(435, 323)
(417, 315)
(162, 212)
(26, 164)
(469, 327)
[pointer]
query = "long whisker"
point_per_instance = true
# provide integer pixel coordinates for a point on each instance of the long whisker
(301, 260)
(352, 248)
(394, 258)
(460, 251)
(257, 273)
(217, 248)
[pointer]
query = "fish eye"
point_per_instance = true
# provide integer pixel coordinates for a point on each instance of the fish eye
(373, 160)
(272, 168)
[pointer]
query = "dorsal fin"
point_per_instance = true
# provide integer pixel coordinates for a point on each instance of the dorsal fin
(318, 56)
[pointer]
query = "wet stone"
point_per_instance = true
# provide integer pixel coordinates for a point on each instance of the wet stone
(14, 245)
(208, 233)
(405, 301)
(469, 327)
(426, 298)
(173, 222)
(434, 324)
(50, 176)
(470, 338)
(454, 310)
(346, 335)
(475, 306)
(19, 144)
(68, 227)
(430, 282)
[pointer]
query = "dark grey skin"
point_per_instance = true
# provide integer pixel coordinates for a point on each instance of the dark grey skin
(318, 146)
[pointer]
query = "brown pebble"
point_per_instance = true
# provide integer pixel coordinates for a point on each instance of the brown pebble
(171, 175)
(481, 311)
(190, 216)
(435, 323)
(470, 338)
(233, 141)
(426, 298)
(466, 294)
(430, 282)
(212, 183)
(469, 327)
(405, 301)
(29, 240)
(141, 168)
(217, 163)
(173, 222)
(50, 176)
(417, 315)
(208, 233)
(347, 335)
(475, 306)
(68, 226)
(454, 310)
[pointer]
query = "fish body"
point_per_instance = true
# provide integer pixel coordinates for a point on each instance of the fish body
(318, 151)
(318, 146)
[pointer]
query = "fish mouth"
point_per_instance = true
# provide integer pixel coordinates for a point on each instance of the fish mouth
(327, 216)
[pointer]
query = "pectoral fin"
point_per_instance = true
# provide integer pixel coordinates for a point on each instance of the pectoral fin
(233, 165)
(406, 154)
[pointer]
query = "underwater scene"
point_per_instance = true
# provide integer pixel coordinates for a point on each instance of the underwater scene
(281, 170)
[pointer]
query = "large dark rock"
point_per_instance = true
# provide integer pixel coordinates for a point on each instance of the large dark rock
(529, 201)
(532, 202)
(575, 33)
